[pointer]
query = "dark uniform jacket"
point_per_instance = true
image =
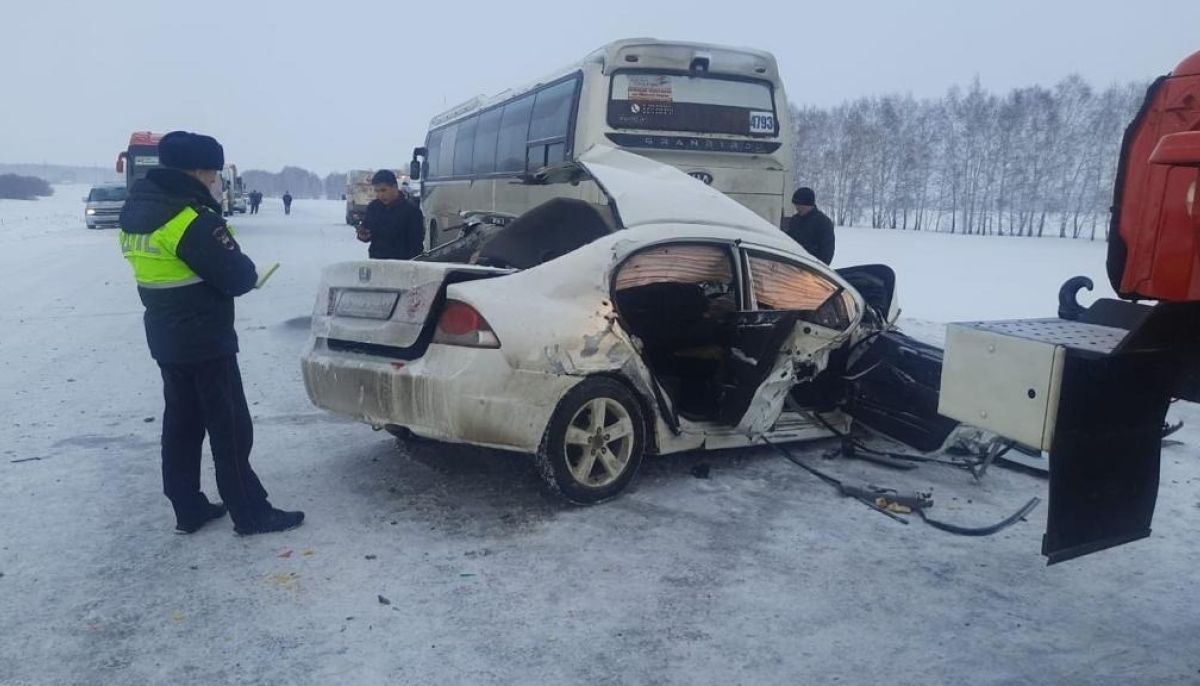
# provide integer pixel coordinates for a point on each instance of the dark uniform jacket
(814, 233)
(397, 230)
(192, 323)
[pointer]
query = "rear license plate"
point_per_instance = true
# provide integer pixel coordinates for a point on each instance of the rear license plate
(366, 304)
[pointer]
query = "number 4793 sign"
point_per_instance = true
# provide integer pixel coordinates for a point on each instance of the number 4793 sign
(762, 122)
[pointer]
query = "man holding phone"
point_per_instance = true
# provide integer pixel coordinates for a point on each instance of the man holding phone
(394, 227)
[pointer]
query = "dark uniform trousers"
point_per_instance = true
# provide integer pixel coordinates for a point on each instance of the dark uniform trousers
(207, 397)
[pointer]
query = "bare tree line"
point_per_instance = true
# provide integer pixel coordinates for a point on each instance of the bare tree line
(17, 187)
(1034, 162)
(301, 182)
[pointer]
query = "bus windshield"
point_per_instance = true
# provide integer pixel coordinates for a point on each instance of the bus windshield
(141, 160)
(685, 102)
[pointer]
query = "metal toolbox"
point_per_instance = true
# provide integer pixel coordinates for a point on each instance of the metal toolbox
(1006, 376)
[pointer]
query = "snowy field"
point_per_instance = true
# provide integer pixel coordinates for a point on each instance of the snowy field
(441, 564)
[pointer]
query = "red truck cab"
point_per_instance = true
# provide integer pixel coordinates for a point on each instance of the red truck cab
(1154, 240)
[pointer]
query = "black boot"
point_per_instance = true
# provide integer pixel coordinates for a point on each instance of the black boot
(268, 521)
(191, 525)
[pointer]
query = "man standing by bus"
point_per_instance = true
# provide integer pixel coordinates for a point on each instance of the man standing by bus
(393, 226)
(188, 270)
(810, 227)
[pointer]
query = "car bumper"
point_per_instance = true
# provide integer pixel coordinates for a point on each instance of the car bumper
(453, 394)
(97, 221)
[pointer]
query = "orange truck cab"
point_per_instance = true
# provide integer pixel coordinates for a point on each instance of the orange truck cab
(1091, 388)
(1154, 240)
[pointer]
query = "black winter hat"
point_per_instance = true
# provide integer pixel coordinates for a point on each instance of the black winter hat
(186, 150)
(804, 196)
(386, 177)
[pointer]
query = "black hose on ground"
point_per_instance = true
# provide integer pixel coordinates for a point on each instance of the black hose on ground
(935, 523)
(984, 530)
(831, 480)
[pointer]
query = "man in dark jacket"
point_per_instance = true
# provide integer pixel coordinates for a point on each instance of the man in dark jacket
(189, 269)
(287, 202)
(810, 227)
(393, 226)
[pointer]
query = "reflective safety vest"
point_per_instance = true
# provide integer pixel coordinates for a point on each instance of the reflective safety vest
(152, 255)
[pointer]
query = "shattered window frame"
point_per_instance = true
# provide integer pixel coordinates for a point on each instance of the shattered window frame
(836, 308)
(726, 248)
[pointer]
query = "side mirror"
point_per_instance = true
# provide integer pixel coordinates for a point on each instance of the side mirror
(1178, 150)
(121, 163)
(415, 167)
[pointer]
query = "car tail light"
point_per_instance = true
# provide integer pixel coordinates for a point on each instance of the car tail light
(461, 324)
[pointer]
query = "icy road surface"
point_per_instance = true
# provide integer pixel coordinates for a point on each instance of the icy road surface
(440, 564)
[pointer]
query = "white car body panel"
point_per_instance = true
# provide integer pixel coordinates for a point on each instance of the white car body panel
(504, 397)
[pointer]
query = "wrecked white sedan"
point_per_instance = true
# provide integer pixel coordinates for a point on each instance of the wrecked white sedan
(669, 319)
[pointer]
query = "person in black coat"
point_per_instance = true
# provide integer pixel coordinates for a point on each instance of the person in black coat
(189, 269)
(810, 227)
(394, 226)
(287, 202)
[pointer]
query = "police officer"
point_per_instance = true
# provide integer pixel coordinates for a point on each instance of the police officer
(189, 269)
(810, 227)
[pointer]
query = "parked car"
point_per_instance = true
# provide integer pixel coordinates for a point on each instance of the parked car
(670, 319)
(102, 206)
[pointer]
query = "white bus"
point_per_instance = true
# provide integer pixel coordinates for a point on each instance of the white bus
(718, 113)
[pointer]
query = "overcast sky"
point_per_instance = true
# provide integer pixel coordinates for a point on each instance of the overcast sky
(352, 84)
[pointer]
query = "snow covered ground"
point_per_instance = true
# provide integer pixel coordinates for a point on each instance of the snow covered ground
(758, 574)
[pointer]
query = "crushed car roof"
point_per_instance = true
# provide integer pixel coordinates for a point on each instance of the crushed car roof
(648, 192)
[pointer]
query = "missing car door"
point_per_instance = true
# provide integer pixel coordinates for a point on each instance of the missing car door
(796, 314)
(677, 300)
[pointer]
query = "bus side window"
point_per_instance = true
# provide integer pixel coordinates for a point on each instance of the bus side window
(552, 112)
(485, 141)
(548, 128)
(434, 146)
(446, 154)
(514, 129)
(464, 146)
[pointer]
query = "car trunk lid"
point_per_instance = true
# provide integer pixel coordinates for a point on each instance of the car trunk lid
(386, 307)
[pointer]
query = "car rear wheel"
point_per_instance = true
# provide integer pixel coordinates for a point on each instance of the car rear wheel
(595, 442)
